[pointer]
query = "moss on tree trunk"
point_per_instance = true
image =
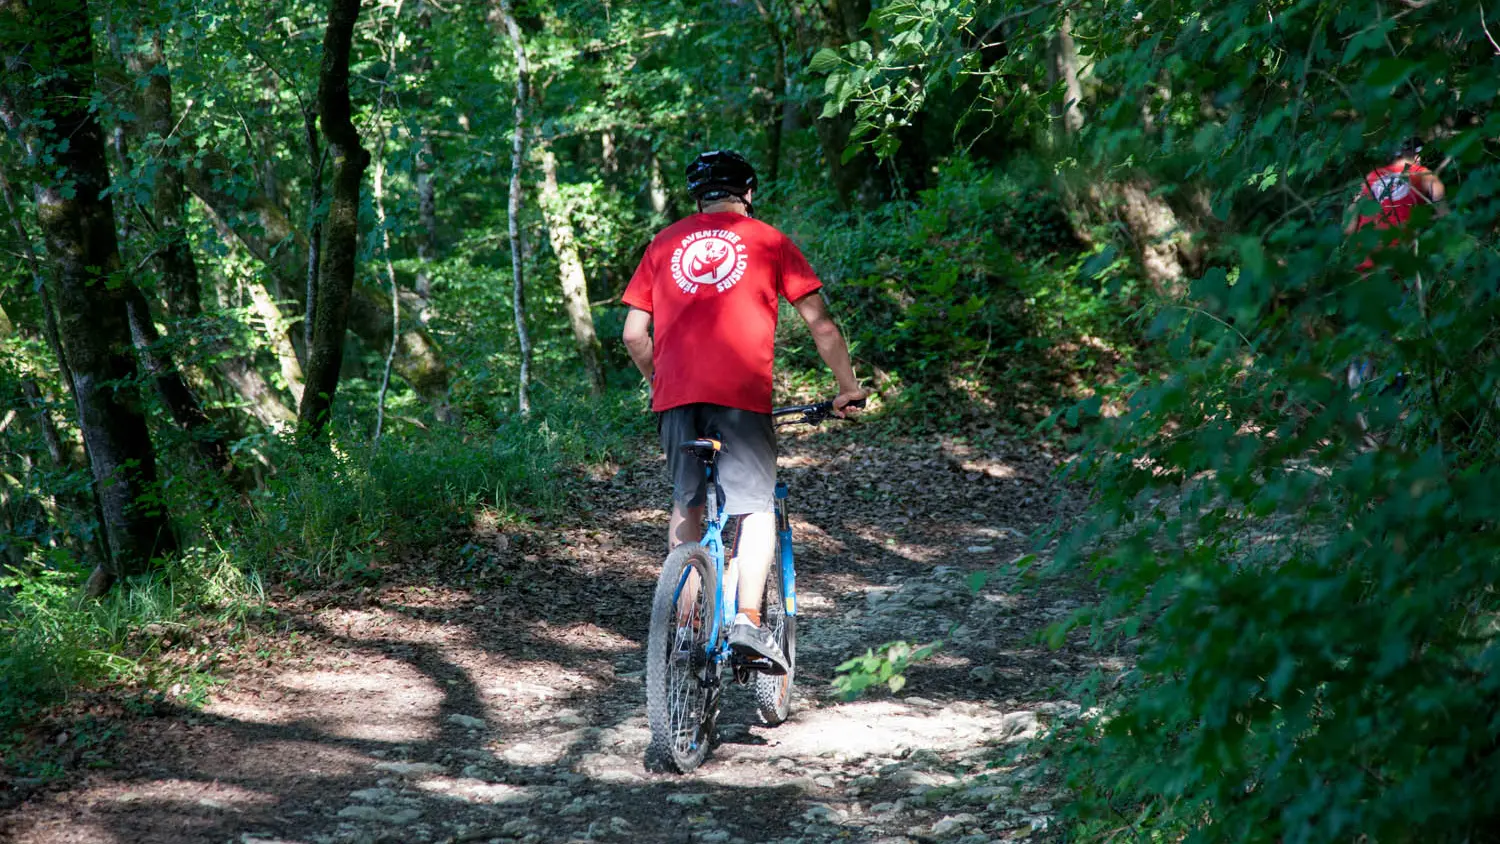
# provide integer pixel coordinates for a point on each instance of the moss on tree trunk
(341, 228)
(77, 220)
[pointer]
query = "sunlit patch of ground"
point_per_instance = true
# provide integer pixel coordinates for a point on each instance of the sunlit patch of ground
(385, 701)
(584, 635)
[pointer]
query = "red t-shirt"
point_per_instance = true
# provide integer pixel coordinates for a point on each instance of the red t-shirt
(1392, 187)
(710, 283)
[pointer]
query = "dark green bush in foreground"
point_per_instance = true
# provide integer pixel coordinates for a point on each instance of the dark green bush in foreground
(1304, 575)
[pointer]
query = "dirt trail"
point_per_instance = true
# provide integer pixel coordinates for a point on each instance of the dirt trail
(496, 694)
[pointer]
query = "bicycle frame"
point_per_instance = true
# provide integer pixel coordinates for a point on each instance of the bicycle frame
(713, 542)
(784, 542)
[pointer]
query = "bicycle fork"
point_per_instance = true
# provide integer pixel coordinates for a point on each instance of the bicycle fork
(784, 544)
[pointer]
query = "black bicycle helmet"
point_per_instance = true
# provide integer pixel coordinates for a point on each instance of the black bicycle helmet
(720, 174)
(1410, 147)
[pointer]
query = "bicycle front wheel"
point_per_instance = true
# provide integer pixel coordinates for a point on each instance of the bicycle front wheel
(680, 673)
(773, 692)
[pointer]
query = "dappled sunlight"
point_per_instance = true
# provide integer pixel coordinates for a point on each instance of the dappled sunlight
(476, 791)
(501, 686)
(585, 636)
(886, 727)
(386, 701)
(546, 750)
(891, 544)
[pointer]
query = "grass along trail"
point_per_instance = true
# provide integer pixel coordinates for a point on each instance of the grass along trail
(492, 690)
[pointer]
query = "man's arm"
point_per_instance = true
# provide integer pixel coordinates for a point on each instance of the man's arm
(1351, 215)
(831, 347)
(1433, 190)
(637, 336)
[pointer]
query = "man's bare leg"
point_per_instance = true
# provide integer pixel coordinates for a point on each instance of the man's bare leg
(685, 525)
(757, 546)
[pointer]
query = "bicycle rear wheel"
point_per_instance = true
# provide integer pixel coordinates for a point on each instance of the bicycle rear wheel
(679, 672)
(773, 692)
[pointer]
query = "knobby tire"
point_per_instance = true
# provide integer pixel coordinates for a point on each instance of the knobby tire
(773, 692)
(680, 700)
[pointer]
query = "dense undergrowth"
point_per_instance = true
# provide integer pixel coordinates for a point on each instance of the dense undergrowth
(324, 518)
(1292, 518)
(975, 299)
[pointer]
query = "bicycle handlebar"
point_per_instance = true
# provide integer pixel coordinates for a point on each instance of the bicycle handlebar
(812, 414)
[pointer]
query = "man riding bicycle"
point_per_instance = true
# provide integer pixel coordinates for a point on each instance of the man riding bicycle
(1399, 186)
(702, 330)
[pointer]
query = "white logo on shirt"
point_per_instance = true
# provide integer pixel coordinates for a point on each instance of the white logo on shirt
(1391, 187)
(714, 256)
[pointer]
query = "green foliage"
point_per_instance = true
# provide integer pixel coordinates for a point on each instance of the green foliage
(56, 643)
(1303, 571)
(885, 666)
(339, 515)
(325, 519)
(975, 288)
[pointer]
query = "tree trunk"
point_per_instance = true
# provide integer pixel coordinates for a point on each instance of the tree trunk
(77, 221)
(427, 238)
(29, 386)
(1062, 68)
(390, 271)
(776, 124)
(278, 331)
(658, 187)
(609, 157)
(325, 356)
(270, 237)
(1161, 244)
(316, 159)
(263, 402)
(44, 421)
(575, 286)
(385, 231)
(180, 400)
(1162, 247)
(53, 336)
(845, 20)
(174, 256)
(517, 159)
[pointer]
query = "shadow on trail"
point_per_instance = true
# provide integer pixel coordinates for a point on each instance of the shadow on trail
(503, 699)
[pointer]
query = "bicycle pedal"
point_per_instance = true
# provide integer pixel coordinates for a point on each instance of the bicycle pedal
(759, 666)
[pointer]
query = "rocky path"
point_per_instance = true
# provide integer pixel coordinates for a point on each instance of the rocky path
(493, 691)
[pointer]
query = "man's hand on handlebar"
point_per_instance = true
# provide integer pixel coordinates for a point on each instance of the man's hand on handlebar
(849, 401)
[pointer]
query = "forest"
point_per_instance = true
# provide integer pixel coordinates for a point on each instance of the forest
(310, 369)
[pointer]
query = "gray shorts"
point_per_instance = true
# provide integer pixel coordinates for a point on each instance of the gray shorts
(747, 465)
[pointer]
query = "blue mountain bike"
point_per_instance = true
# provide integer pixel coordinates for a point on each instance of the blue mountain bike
(688, 653)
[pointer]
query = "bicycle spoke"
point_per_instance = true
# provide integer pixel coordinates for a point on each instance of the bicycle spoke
(685, 689)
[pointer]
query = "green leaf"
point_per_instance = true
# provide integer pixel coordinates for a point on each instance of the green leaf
(1388, 73)
(825, 61)
(977, 581)
(1097, 263)
(897, 683)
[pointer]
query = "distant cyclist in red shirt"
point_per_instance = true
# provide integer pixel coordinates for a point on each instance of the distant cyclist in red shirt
(709, 287)
(1399, 186)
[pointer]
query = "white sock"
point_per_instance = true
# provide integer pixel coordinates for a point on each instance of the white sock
(741, 618)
